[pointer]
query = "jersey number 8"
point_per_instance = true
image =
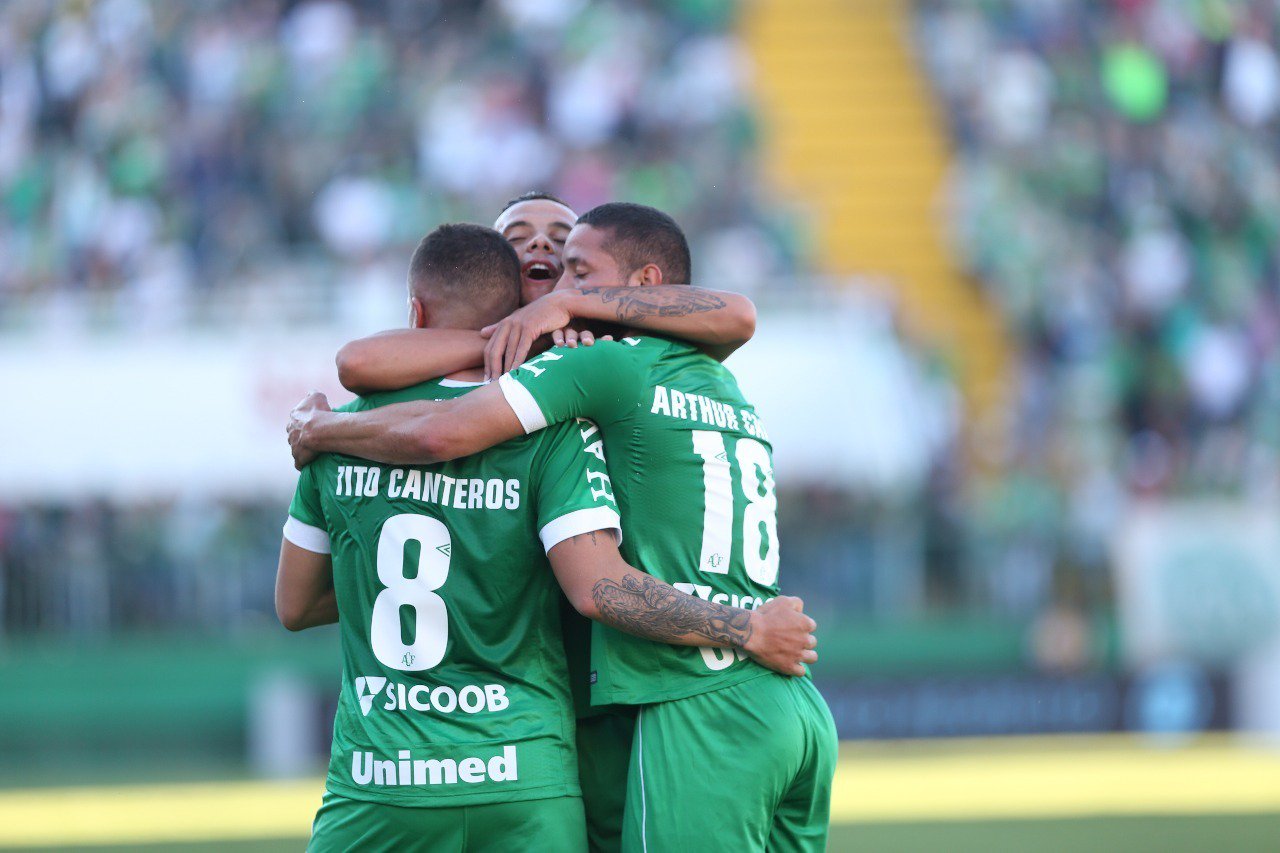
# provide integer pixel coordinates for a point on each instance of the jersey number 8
(430, 618)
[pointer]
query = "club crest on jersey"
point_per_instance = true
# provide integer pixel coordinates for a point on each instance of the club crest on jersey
(407, 660)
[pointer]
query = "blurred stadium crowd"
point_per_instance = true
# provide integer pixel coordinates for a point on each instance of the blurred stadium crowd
(1116, 191)
(154, 152)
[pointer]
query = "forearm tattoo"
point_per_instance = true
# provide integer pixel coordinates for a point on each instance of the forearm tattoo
(649, 608)
(636, 303)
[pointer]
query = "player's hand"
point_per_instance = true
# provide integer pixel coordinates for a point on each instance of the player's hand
(573, 337)
(511, 339)
(299, 419)
(782, 636)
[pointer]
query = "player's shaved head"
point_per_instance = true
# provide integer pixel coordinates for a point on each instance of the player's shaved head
(466, 276)
(636, 235)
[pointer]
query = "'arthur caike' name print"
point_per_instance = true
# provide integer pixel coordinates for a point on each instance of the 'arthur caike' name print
(699, 408)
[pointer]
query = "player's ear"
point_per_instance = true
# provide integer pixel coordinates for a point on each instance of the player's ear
(417, 313)
(646, 275)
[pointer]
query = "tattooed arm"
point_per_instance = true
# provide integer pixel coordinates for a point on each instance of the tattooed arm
(701, 315)
(716, 320)
(602, 586)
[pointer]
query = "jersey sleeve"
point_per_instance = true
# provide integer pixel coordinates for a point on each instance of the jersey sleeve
(305, 525)
(600, 382)
(571, 481)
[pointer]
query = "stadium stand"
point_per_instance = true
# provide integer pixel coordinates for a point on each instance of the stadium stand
(153, 154)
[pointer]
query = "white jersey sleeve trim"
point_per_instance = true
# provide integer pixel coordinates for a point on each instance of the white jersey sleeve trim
(522, 403)
(305, 536)
(580, 521)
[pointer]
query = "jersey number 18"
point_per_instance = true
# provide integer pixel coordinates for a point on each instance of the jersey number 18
(759, 519)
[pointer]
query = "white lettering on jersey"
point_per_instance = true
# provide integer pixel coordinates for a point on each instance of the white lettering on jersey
(606, 486)
(547, 356)
(702, 409)
(404, 770)
(413, 484)
(661, 405)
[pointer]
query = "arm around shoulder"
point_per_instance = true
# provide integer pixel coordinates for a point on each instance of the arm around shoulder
(713, 318)
(402, 357)
(604, 587)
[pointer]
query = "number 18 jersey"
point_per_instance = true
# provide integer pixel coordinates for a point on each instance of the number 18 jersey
(454, 689)
(692, 472)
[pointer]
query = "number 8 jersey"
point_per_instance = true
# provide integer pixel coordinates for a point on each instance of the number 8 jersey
(692, 471)
(454, 689)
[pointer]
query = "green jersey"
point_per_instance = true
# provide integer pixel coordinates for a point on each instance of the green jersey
(692, 471)
(454, 690)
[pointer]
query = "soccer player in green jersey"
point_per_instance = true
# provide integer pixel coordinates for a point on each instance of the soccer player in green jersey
(692, 473)
(537, 226)
(454, 727)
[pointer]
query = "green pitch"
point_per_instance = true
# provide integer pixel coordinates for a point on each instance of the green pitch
(1014, 794)
(1189, 833)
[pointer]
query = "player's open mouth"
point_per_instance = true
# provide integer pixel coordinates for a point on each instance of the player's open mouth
(540, 271)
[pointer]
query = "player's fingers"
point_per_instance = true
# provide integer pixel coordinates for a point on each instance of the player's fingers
(571, 338)
(493, 351)
(509, 341)
(488, 330)
(809, 657)
(587, 339)
(792, 602)
(811, 642)
(488, 358)
(813, 626)
(798, 669)
(521, 350)
(557, 338)
(606, 337)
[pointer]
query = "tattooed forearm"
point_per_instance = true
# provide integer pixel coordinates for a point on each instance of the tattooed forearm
(645, 606)
(636, 303)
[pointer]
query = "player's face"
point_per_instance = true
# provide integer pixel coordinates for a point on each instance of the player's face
(586, 263)
(537, 230)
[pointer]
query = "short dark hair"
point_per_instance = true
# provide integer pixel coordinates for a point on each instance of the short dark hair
(468, 271)
(533, 195)
(639, 235)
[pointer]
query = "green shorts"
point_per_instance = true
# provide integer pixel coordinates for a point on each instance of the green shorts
(744, 768)
(550, 825)
(604, 754)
